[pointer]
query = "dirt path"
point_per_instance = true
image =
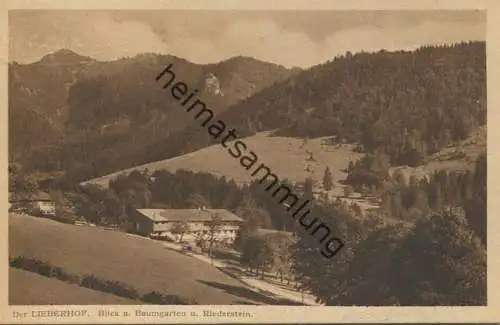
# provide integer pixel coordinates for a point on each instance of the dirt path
(260, 286)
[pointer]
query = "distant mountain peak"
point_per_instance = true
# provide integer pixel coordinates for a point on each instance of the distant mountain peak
(65, 56)
(247, 60)
(243, 58)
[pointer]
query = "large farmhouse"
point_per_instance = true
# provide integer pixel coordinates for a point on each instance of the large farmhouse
(188, 224)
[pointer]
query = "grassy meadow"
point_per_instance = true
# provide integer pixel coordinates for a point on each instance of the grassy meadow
(28, 288)
(287, 158)
(141, 263)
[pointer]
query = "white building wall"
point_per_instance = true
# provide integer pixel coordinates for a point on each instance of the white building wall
(226, 232)
(46, 207)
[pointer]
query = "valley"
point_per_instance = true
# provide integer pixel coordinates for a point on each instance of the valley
(394, 169)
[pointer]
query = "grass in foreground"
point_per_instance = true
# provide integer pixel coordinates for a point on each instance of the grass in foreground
(94, 283)
(143, 264)
(27, 288)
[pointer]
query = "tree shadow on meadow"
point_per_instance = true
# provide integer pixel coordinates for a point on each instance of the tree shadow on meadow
(245, 293)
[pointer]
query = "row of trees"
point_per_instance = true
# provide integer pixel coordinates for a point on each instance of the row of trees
(182, 189)
(269, 252)
(410, 199)
(185, 189)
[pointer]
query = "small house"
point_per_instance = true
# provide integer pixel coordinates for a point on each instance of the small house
(39, 203)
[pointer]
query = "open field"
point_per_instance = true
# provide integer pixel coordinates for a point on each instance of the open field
(143, 264)
(290, 158)
(27, 288)
(287, 158)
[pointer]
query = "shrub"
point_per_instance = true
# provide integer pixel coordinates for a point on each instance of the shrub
(43, 268)
(120, 289)
(153, 297)
(114, 287)
(91, 282)
(30, 264)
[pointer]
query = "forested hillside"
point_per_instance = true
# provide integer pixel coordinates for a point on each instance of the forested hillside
(37, 99)
(78, 110)
(407, 105)
(435, 257)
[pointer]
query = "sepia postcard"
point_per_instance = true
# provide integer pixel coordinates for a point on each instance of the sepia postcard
(250, 162)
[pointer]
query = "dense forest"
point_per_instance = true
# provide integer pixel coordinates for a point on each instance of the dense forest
(436, 261)
(438, 222)
(404, 104)
(428, 99)
(67, 112)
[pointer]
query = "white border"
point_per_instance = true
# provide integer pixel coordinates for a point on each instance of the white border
(283, 314)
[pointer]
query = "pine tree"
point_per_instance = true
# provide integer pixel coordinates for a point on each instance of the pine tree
(308, 189)
(328, 179)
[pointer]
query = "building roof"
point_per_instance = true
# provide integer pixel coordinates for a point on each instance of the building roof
(173, 215)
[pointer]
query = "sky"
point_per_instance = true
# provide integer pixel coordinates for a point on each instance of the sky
(289, 38)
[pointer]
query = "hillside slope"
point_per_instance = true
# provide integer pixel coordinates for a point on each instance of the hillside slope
(430, 98)
(287, 158)
(141, 263)
(27, 288)
(290, 158)
(81, 109)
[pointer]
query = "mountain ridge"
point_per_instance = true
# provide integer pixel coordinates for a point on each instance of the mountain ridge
(84, 101)
(419, 109)
(311, 103)
(68, 54)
